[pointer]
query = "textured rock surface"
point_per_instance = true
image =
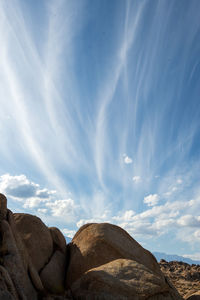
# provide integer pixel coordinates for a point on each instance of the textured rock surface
(5, 295)
(106, 263)
(121, 279)
(96, 244)
(185, 277)
(7, 288)
(13, 268)
(13, 263)
(36, 237)
(3, 207)
(26, 259)
(53, 274)
(58, 239)
(27, 246)
(102, 262)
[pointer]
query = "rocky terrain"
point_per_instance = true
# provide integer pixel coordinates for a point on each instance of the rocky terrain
(185, 277)
(103, 262)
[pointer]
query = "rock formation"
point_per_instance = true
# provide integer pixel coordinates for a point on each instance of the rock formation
(185, 277)
(102, 262)
(107, 263)
(32, 256)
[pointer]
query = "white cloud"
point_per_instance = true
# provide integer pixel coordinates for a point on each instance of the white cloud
(62, 208)
(17, 186)
(179, 181)
(98, 219)
(136, 179)
(151, 199)
(163, 223)
(32, 202)
(68, 233)
(42, 210)
(44, 193)
(126, 216)
(151, 223)
(20, 187)
(197, 234)
(194, 256)
(128, 160)
(189, 221)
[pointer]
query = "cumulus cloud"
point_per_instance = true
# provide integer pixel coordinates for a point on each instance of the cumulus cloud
(42, 210)
(136, 179)
(33, 197)
(68, 233)
(18, 186)
(189, 221)
(99, 219)
(154, 221)
(197, 234)
(151, 199)
(60, 208)
(126, 216)
(127, 159)
(32, 202)
(21, 187)
(44, 193)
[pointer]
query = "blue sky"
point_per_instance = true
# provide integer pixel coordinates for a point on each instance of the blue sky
(100, 115)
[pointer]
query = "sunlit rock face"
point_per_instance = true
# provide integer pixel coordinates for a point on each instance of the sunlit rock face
(102, 262)
(107, 263)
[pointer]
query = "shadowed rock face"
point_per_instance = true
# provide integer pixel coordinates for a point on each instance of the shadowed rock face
(3, 207)
(36, 237)
(28, 249)
(102, 262)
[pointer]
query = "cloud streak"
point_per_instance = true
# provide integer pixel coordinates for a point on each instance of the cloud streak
(77, 93)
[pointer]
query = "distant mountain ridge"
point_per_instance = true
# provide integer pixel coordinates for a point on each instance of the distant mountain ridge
(174, 257)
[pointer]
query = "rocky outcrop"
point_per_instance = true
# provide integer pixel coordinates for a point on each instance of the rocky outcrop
(103, 262)
(31, 257)
(107, 263)
(185, 277)
(53, 274)
(12, 261)
(36, 237)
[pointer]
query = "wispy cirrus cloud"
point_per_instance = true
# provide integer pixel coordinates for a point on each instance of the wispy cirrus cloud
(76, 93)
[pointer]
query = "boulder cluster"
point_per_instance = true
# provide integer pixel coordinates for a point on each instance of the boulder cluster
(102, 262)
(185, 277)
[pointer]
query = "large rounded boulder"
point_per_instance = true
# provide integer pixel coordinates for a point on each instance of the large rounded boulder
(107, 263)
(36, 237)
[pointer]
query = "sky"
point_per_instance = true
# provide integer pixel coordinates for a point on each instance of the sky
(100, 116)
